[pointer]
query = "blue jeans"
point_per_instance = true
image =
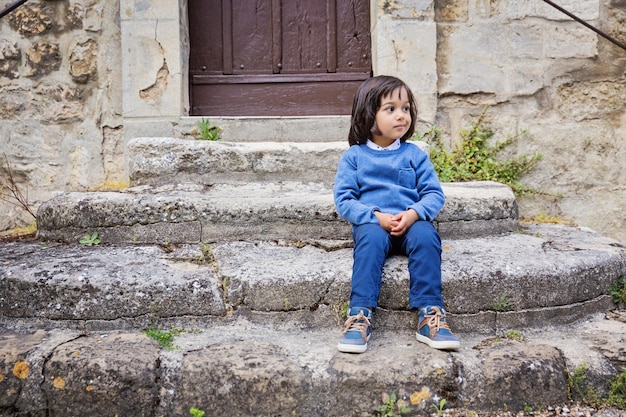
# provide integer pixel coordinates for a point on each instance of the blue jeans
(373, 245)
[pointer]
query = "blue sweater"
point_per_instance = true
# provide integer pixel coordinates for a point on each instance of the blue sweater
(368, 180)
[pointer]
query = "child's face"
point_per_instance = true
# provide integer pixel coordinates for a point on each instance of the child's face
(393, 118)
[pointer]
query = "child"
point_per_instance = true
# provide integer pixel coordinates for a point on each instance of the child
(389, 191)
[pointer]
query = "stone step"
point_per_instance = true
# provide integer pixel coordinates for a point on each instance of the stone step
(262, 365)
(190, 213)
(261, 321)
(542, 275)
(160, 161)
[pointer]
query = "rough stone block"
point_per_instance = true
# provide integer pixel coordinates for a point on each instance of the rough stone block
(587, 262)
(128, 282)
(511, 367)
(15, 367)
(418, 373)
(588, 10)
(241, 379)
(113, 374)
(570, 40)
(413, 56)
(451, 11)
(294, 279)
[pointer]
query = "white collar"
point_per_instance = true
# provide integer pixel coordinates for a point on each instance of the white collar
(395, 145)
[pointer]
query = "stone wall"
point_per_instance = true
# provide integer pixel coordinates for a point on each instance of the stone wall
(59, 98)
(540, 71)
(80, 77)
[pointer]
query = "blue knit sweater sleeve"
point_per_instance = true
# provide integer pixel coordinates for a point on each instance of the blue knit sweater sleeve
(347, 190)
(387, 181)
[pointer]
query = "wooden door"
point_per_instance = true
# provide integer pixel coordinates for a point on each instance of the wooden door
(277, 57)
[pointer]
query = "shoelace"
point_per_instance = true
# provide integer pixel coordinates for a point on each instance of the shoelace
(358, 323)
(435, 321)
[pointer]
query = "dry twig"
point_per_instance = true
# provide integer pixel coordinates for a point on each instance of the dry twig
(11, 193)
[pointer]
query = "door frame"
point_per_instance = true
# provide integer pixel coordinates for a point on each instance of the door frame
(155, 73)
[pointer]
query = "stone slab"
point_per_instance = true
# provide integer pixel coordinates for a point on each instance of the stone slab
(162, 160)
(246, 365)
(190, 213)
(548, 274)
(87, 283)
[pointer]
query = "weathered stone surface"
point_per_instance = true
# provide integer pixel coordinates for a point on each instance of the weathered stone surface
(14, 367)
(451, 10)
(43, 58)
(272, 382)
(9, 59)
(83, 60)
(114, 374)
(75, 16)
(588, 100)
(307, 277)
(531, 263)
(586, 168)
(512, 367)
(78, 284)
(488, 283)
(26, 352)
(60, 103)
(171, 160)
(32, 19)
(414, 370)
(261, 211)
(273, 364)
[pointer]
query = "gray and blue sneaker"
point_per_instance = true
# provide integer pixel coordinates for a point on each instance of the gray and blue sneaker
(356, 331)
(433, 330)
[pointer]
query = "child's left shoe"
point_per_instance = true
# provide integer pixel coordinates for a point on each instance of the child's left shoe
(433, 330)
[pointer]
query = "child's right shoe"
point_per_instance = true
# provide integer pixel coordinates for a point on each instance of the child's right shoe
(357, 331)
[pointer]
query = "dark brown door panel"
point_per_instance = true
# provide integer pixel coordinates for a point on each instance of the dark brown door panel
(277, 57)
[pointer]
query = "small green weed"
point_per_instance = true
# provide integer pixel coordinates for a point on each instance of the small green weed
(206, 131)
(345, 307)
(617, 391)
(391, 407)
(475, 159)
(514, 335)
(439, 407)
(89, 240)
(196, 412)
(164, 339)
(503, 303)
(578, 388)
(618, 292)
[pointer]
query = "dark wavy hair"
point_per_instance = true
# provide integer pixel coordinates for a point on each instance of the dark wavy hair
(367, 103)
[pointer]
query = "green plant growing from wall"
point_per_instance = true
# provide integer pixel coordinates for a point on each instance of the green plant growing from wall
(195, 412)
(475, 158)
(503, 303)
(90, 239)
(391, 407)
(206, 131)
(617, 391)
(578, 387)
(514, 335)
(164, 339)
(618, 292)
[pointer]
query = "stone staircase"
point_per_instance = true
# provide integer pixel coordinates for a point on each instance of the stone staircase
(240, 243)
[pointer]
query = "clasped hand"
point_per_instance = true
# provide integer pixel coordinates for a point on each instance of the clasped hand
(397, 224)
